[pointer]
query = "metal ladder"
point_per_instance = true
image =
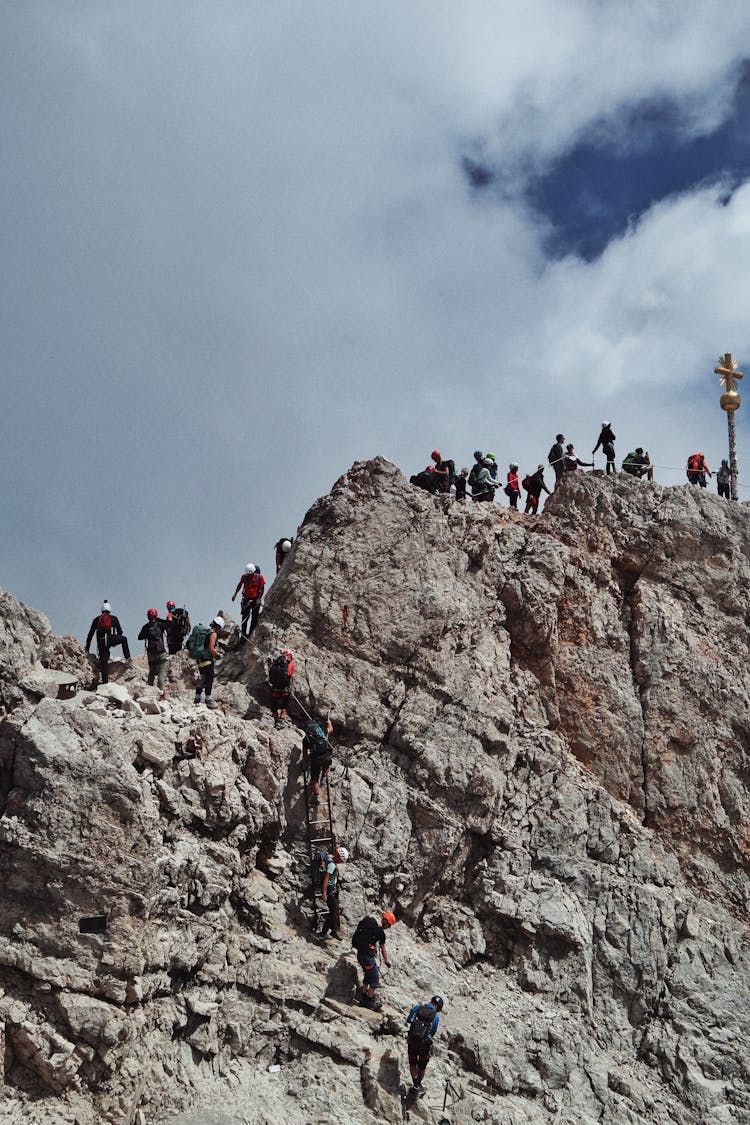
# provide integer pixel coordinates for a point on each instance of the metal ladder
(319, 835)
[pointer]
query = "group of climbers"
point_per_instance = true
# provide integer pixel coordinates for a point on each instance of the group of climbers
(440, 475)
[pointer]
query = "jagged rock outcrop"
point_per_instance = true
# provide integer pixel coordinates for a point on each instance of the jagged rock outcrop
(541, 763)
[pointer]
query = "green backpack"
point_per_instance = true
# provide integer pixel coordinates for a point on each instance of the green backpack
(197, 641)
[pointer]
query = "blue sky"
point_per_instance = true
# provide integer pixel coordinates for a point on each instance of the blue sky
(241, 250)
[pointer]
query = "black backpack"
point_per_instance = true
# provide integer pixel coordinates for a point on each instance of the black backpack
(154, 637)
(363, 938)
(317, 742)
(420, 1026)
(278, 674)
(319, 863)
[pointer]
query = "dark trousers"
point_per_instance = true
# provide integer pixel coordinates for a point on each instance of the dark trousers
(111, 642)
(207, 681)
(251, 610)
(331, 924)
(723, 489)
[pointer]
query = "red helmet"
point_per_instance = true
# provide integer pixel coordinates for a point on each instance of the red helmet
(288, 654)
(389, 918)
(435, 455)
(170, 604)
(152, 613)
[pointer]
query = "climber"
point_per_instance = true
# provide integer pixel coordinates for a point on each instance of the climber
(201, 644)
(108, 636)
(317, 753)
(512, 491)
(178, 627)
(638, 464)
(153, 634)
(329, 893)
(280, 677)
(724, 479)
(697, 469)
(459, 483)
(282, 549)
(445, 470)
(606, 440)
(422, 1022)
(571, 462)
(491, 464)
(556, 456)
(534, 484)
(253, 584)
(368, 935)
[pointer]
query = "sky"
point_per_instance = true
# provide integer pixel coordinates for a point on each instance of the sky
(246, 244)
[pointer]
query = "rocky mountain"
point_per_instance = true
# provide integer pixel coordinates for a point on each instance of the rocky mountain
(542, 731)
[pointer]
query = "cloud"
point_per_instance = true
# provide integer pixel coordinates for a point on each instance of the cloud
(241, 252)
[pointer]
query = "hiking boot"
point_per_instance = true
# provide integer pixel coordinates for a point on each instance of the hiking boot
(212, 704)
(197, 699)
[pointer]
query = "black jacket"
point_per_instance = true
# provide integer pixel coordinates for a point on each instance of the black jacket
(102, 634)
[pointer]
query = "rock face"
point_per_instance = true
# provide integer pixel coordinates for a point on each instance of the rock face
(541, 729)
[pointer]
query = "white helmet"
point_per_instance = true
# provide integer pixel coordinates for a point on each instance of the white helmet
(106, 607)
(605, 423)
(249, 569)
(286, 545)
(342, 854)
(513, 467)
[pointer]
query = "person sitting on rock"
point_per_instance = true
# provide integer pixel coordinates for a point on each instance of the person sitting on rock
(153, 634)
(606, 440)
(317, 754)
(329, 893)
(534, 483)
(280, 681)
(422, 1021)
(638, 464)
(253, 584)
(368, 935)
(426, 479)
(571, 462)
(724, 480)
(109, 635)
(282, 549)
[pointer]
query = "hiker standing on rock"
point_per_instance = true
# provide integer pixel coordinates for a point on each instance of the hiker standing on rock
(317, 753)
(282, 549)
(368, 935)
(606, 440)
(201, 645)
(512, 491)
(445, 470)
(329, 893)
(109, 635)
(153, 634)
(178, 627)
(556, 457)
(422, 1022)
(534, 485)
(724, 480)
(280, 679)
(697, 469)
(253, 584)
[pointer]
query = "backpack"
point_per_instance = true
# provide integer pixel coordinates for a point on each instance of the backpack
(154, 637)
(363, 938)
(182, 617)
(476, 468)
(197, 643)
(446, 482)
(278, 674)
(694, 462)
(420, 1026)
(317, 742)
(318, 864)
(526, 482)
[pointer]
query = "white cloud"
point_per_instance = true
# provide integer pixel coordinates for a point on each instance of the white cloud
(240, 253)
